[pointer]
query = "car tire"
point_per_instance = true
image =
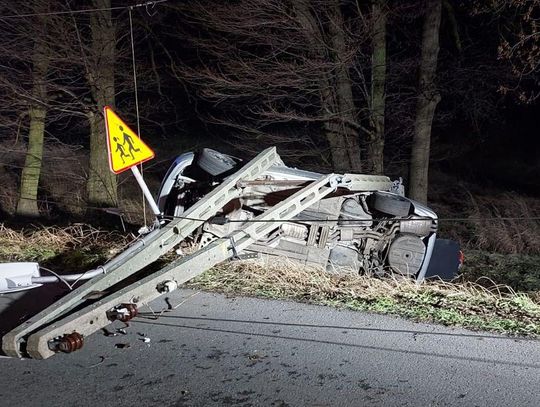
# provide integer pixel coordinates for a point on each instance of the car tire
(214, 162)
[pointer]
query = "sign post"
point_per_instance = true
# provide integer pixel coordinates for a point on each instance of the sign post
(126, 151)
(146, 191)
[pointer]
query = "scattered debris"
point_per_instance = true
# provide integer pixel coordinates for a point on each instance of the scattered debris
(121, 331)
(256, 355)
(122, 345)
(106, 332)
(102, 359)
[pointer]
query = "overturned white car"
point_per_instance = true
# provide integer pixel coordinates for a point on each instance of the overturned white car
(366, 225)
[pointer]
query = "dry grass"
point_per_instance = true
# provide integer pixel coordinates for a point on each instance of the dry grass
(133, 209)
(467, 304)
(38, 243)
(510, 235)
(480, 210)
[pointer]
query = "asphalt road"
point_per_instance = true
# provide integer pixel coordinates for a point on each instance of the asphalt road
(217, 351)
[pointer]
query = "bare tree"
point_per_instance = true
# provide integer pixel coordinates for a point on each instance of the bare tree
(520, 46)
(58, 72)
(269, 68)
(37, 112)
(23, 78)
(335, 86)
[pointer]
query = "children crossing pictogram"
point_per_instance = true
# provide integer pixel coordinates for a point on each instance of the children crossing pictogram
(120, 150)
(126, 149)
(129, 141)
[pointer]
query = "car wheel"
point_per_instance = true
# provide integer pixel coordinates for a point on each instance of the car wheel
(214, 162)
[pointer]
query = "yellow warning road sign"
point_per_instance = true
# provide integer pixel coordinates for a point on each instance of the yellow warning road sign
(126, 149)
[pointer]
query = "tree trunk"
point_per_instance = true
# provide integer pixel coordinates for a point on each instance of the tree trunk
(27, 205)
(428, 99)
(28, 189)
(346, 110)
(101, 184)
(338, 148)
(375, 145)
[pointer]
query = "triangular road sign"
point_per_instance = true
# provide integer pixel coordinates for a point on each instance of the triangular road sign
(126, 149)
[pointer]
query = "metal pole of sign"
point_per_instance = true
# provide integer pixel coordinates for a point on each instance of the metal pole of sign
(145, 190)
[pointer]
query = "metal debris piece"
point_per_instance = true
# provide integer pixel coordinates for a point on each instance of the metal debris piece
(106, 332)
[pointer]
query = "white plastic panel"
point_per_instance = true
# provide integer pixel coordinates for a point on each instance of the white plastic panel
(17, 276)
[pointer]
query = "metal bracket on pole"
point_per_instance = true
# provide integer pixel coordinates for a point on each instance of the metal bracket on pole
(364, 182)
(145, 251)
(96, 316)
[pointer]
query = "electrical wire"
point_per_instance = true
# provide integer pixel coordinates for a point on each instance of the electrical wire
(173, 217)
(136, 103)
(89, 10)
(87, 275)
(58, 277)
(362, 220)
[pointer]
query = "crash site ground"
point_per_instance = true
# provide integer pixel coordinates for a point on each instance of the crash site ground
(307, 341)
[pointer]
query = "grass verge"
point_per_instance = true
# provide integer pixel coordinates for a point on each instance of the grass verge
(465, 304)
(72, 248)
(521, 272)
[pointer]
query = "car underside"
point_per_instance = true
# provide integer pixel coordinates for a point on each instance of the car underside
(366, 227)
